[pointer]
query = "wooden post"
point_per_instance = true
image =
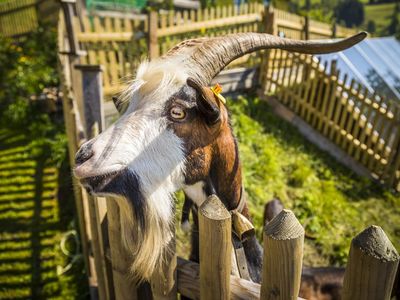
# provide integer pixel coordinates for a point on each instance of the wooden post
(283, 256)
(94, 124)
(269, 20)
(92, 96)
(269, 27)
(164, 283)
(152, 37)
(372, 266)
(68, 9)
(306, 29)
(215, 250)
(334, 28)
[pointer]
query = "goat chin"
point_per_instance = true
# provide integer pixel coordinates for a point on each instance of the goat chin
(146, 244)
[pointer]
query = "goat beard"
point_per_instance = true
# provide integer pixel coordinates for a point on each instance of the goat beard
(146, 237)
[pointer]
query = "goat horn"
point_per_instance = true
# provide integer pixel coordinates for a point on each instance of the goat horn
(209, 56)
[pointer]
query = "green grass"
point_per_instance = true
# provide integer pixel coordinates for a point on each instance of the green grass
(330, 201)
(35, 211)
(381, 14)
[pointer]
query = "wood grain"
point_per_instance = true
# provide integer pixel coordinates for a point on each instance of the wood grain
(215, 249)
(283, 256)
(372, 266)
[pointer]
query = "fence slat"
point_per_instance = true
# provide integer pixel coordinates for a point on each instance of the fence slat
(372, 266)
(283, 238)
(215, 249)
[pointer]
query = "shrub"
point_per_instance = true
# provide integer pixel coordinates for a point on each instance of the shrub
(26, 68)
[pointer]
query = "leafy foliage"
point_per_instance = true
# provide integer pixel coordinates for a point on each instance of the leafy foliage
(351, 12)
(26, 68)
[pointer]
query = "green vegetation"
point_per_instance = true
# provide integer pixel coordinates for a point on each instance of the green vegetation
(37, 209)
(36, 203)
(377, 15)
(381, 15)
(332, 203)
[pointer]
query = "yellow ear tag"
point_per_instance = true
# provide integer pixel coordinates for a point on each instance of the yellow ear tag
(217, 89)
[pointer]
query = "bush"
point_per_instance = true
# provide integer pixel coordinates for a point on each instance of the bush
(351, 12)
(26, 68)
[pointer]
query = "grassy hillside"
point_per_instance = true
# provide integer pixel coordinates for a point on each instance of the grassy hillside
(381, 14)
(36, 210)
(332, 203)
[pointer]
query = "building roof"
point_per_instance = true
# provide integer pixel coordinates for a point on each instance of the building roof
(375, 63)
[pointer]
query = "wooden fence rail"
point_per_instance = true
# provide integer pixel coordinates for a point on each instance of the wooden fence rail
(106, 259)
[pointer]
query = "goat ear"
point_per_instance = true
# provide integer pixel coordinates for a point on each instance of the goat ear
(206, 101)
(119, 105)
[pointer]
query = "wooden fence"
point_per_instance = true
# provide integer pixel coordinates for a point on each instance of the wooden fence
(365, 126)
(20, 17)
(119, 41)
(84, 83)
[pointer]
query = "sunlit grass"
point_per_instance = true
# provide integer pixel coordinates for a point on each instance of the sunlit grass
(31, 228)
(379, 13)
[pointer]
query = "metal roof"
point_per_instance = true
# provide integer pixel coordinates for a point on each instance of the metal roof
(375, 63)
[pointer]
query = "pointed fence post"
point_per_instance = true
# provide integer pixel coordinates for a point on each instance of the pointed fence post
(215, 250)
(283, 257)
(372, 266)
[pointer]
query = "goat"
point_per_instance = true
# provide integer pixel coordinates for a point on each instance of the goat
(174, 133)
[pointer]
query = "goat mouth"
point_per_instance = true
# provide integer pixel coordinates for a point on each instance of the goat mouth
(97, 184)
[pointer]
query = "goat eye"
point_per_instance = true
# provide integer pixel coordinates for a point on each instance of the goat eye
(177, 113)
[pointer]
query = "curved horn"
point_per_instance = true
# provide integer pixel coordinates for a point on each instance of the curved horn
(205, 58)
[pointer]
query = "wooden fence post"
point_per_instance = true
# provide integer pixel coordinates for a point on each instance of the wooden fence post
(372, 266)
(92, 97)
(283, 238)
(269, 27)
(215, 250)
(68, 9)
(306, 28)
(94, 124)
(334, 29)
(152, 35)
(164, 282)
(269, 20)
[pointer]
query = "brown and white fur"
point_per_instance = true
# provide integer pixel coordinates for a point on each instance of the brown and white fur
(174, 133)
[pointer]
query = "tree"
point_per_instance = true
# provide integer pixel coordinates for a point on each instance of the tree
(394, 26)
(351, 12)
(371, 26)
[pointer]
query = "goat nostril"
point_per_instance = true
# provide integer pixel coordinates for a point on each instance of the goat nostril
(83, 155)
